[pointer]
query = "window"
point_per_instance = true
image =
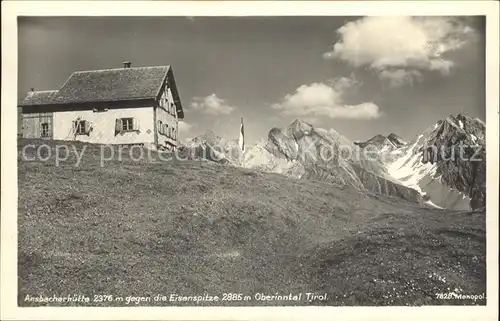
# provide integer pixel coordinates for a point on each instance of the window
(167, 130)
(79, 126)
(127, 124)
(123, 125)
(164, 102)
(172, 108)
(45, 131)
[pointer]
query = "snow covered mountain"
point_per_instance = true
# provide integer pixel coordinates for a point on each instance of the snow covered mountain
(211, 147)
(443, 167)
(447, 162)
(383, 144)
(316, 153)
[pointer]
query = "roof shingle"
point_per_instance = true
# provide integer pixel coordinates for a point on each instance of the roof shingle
(123, 84)
(39, 97)
(112, 85)
(104, 85)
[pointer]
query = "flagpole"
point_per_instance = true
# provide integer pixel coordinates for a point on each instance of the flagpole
(242, 143)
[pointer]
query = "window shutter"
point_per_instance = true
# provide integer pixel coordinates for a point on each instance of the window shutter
(135, 123)
(74, 125)
(118, 125)
(87, 126)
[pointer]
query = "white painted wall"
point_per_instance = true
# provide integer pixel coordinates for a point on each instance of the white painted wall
(103, 126)
(168, 116)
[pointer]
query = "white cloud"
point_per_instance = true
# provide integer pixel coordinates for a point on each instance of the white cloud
(211, 105)
(319, 100)
(341, 84)
(184, 130)
(400, 77)
(184, 127)
(398, 44)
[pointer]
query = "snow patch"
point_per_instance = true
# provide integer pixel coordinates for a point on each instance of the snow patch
(429, 202)
(409, 171)
(461, 124)
(386, 148)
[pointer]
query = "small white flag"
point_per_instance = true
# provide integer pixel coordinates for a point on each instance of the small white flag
(242, 137)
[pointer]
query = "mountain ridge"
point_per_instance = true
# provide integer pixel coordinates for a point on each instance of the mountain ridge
(433, 162)
(383, 143)
(397, 168)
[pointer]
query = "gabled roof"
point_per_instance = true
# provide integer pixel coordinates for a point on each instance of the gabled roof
(112, 85)
(39, 97)
(122, 84)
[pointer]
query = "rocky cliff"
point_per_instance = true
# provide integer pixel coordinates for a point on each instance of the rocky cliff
(327, 155)
(382, 143)
(442, 167)
(447, 161)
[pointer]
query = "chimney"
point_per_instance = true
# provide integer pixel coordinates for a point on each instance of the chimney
(32, 89)
(127, 64)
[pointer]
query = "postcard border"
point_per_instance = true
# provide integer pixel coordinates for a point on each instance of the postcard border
(12, 9)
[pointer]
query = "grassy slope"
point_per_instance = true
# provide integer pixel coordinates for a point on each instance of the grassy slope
(144, 228)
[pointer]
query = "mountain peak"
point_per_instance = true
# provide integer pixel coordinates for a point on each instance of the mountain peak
(209, 137)
(460, 123)
(383, 143)
(378, 139)
(299, 128)
(300, 123)
(396, 140)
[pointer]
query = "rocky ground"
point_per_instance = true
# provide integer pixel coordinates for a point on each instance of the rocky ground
(136, 229)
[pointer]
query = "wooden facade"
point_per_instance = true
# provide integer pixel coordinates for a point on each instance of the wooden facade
(166, 119)
(38, 125)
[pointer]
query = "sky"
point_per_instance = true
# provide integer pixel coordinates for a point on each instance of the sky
(361, 76)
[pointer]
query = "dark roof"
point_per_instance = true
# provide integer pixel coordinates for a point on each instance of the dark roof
(112, 85)
(39, 97)
(123, 84)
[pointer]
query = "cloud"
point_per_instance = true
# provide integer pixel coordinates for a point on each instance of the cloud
(341, 84)
(319, 100)
(401, 47)
(211, 105)
(184, 127)
(400, 77)
(184, 130)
